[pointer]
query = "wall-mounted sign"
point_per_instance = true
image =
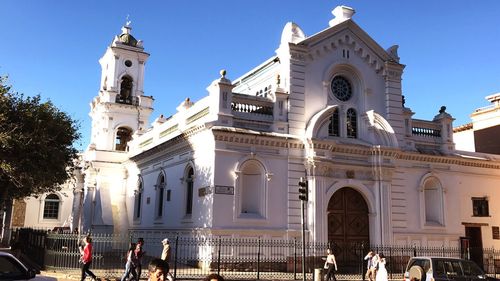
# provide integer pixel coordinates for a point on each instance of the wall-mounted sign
(224, 189)
(202, 192)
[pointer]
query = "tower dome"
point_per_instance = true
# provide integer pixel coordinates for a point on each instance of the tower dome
(127, 38)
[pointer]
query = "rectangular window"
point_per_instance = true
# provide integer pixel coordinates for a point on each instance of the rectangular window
(189, 199)
(159, 212)
(138, 201)
(333, 128)
(168, 195)
(51, 210)
(495, 231)
(480, 207)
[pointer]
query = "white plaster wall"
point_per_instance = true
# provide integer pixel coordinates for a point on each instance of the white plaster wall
(369, 93)
(460, 183)
(464, 140)
(174, 167)
(277, 190)
(34, 210)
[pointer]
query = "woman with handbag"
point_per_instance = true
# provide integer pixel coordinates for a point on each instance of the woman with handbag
(330, 265)
(86, 258)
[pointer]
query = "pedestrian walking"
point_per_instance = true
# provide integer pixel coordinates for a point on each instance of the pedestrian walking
(370, 267)
(131, 263)
(139, 252)
(381, 271)
(165, 254)
(86, 258)
(330, 265)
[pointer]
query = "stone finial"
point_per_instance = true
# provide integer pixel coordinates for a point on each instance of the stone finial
(393, 52)
(292, 33)
(442, 114)
(341, 13)
(187, 103)
(442, 109)
(223, 73)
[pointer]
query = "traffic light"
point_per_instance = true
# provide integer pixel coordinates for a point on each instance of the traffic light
(303, 189)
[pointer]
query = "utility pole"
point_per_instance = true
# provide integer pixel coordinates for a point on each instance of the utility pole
(303, 196)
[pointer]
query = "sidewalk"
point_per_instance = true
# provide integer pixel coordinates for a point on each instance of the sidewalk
(67, 276)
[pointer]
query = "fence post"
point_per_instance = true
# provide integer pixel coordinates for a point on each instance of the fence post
(363, 251)
(390, 259)
(218, 257)
(295, 258)
(175, 255)
(401, 260)
(258, 259)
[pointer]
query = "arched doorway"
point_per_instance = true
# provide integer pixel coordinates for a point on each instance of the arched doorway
(348, 228)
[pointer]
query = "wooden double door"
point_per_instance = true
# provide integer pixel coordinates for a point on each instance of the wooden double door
(348, 228)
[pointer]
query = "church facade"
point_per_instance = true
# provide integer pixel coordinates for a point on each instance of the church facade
(327, 108)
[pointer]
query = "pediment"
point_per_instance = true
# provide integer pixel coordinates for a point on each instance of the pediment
(350, 36)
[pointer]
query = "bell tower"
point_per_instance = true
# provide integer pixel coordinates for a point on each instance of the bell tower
(121, 108)
(118, 112)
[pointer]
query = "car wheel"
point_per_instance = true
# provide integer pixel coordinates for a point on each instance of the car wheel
(417, 273)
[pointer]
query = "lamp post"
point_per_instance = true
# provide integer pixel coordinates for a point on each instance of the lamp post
(303, 196)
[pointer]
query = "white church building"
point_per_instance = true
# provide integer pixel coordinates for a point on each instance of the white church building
(327, 107)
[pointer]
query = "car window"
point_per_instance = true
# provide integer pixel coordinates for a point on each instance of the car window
(454, 268)
(446, 268)
(426, 265)
(10, 269)
(420, 262)
(471, 269)
(439, 268)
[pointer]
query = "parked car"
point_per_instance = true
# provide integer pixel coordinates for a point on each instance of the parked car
(443, 269)
(13, 269)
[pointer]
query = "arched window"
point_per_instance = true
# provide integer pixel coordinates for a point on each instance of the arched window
(333, 128)
(138, 200)
(252, 193)
(125, 95)
(189, 191)
(433, 197)
(160, 191)
(351, 123)
(123, 136)
(51, 206)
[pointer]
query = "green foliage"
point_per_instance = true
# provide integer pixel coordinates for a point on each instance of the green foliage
(36, 145)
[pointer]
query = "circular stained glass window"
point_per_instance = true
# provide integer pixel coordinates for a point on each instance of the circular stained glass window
(341, 88)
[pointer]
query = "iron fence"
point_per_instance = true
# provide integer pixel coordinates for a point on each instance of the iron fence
(234, 258)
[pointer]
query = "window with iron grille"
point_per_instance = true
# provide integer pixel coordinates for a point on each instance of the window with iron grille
(352, 126)
(495, 232)
(51, 207)
(189, 191)
(333, 129)
(160, 189)
(480, 207)
(138, 201)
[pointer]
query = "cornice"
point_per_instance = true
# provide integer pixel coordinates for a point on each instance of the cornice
(165, 148)
(249, 137)
(450, 160)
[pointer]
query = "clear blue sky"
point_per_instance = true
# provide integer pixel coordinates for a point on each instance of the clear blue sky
(49, 47)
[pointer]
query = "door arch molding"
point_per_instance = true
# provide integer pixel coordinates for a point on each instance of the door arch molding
(359, 187)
